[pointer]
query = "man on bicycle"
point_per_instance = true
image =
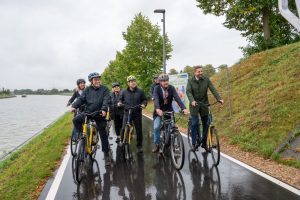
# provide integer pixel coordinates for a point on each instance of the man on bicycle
(116, 111)
(155, 83)
(95, 97)
(197, 92)
(163, 94)
(131, 97)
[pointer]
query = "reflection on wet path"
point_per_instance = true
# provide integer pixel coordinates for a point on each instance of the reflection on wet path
(150, 176)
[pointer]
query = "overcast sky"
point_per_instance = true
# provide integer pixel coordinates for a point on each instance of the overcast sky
(49, 44)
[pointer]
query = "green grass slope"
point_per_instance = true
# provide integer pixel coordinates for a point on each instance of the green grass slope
(265, 95)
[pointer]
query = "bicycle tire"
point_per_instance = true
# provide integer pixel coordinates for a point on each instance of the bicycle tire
(74, 142)
(215, 146)
(80, 161)
(177, 146)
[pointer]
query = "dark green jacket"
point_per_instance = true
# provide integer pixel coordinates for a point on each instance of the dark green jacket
(197, 91)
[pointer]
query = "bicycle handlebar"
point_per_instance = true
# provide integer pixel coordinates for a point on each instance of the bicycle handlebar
(207, 104)
(128, 107)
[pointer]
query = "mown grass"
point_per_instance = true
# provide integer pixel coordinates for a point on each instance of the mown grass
(265, 96)
(25, 170)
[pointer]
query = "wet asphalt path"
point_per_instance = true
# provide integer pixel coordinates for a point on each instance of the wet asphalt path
(151, 177)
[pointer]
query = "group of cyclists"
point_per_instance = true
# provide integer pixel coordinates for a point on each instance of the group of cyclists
(97, 97)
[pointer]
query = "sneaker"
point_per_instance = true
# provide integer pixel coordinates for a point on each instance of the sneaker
(155, 149)
(194, 148)
(140, 150)
(205, 147)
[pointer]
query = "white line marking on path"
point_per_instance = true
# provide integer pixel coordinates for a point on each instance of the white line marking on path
(260, 173)
(57, 180)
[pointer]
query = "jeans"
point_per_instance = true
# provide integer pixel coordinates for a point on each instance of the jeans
(195, 129)
(156, 123)
(101, 124)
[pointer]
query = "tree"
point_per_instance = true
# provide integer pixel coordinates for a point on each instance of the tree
(189, 70)
(209, 70)
(222, 67)
(142, 55)
(173, 71)
(259, 21)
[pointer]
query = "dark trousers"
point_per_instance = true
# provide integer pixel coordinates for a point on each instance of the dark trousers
(136, 117)
(101, 124)
(195, 128)
(118, 120)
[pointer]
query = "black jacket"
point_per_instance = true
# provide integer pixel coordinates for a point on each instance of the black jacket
(74, 96)
(94, 99)
(159, 99)
(114, 109)
(152, 89)
(133, 98)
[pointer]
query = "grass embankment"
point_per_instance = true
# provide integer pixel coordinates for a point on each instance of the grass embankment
(265, 95)
(24, 173)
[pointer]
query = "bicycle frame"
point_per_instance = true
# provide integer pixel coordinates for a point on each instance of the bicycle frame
(130, 126)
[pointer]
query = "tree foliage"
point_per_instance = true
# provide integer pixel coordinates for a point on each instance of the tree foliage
(258, 20)
(173, 71)
(142, 55)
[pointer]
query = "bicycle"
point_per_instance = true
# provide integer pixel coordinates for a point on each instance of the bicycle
(87, 144)
(74, 138)
(171, 139)
(212, 136)
(127, 134)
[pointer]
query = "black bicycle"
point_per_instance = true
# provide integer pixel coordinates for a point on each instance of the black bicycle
(171, 139)
(213, 143)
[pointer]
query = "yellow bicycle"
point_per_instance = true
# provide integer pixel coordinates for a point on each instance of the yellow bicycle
(87, 144)
(213, 143)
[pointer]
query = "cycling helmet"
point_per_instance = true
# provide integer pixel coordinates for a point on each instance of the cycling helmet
(80, 81)
(131, 78)
(163, 77)
(155, 76)
(93, 75)
(115, 84)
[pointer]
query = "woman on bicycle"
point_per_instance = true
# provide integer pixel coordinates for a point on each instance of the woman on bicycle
(163, 94)
(80, 87)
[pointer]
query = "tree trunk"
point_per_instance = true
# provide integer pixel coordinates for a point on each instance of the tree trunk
(266, 25)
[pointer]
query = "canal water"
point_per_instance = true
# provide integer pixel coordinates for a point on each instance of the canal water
(21, 118)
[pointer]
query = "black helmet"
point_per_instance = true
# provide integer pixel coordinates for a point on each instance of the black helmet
(115, 84)
(93, 75)
(163, 77)
(80, 81)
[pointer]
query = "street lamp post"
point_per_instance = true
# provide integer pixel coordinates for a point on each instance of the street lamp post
(163, 11)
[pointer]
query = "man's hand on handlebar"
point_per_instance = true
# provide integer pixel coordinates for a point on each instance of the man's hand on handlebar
(120, 104)
(103, 113)
(221, 101)
(72, 109)
(143, 106)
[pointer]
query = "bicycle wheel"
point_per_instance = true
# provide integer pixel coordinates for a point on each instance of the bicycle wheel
(214, 146)
(189, 133)
(74, 142)
(177, 150)
(80, 161)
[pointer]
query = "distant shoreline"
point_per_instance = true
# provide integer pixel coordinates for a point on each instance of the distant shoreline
(6, 97)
